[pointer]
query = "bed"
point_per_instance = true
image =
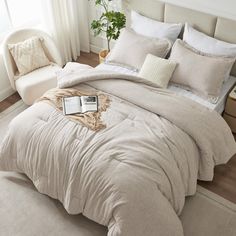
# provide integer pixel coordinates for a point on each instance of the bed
(130, 166)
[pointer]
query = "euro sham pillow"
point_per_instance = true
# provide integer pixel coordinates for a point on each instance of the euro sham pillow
(157, 70)
(153, 28)
(28, 55)
(207, 44)
(131, 49)
(201, 73)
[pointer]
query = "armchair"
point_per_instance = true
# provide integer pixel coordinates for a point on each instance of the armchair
(32, 85)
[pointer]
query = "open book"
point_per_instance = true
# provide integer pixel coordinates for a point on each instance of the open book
(76, 104)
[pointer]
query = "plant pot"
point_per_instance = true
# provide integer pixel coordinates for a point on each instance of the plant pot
(102, 55)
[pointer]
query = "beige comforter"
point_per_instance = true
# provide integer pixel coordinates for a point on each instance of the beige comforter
(133, 175)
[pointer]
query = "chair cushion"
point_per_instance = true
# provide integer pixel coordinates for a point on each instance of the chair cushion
(33, 85)
(28, 55)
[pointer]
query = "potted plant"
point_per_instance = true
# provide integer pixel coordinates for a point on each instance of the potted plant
(110, 23)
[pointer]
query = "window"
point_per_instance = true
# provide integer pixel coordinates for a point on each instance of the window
(18, 13)
(5, 23)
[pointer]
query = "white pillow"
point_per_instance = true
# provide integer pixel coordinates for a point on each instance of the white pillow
(207, 44)
(152, 28)
(131, 49)
(28, 55)
(157, 70)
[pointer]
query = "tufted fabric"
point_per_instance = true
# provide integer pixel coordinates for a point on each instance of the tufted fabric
(157, 70)
(28, 55)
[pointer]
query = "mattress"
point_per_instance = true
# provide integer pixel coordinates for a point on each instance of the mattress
(218, 107)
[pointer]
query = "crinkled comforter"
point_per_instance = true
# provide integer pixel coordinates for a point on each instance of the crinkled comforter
(133, 175)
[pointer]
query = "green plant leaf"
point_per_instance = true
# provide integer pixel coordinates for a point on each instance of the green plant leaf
(110, 22)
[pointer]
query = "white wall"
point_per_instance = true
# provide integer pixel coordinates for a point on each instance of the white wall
(5, 87)
(98, 43)
(224, 8)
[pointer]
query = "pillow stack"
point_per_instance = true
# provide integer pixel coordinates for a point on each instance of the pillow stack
(200, 72)
(131, 49)
(206, 44)
(146, 36)
(204, 63)
(199, 63)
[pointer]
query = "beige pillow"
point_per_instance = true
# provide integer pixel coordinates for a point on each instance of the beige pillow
(28, 55)
(157, 70)
(131, 49)
(201, 73)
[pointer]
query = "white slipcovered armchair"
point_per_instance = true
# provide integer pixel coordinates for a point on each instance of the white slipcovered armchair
(32, 85)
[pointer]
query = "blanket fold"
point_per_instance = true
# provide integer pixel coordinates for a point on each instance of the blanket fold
(92, 120)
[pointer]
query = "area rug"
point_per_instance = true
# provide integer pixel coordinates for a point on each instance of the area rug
(25, 212)
(7, 115)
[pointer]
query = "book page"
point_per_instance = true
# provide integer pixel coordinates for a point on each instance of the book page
(71, 105)
(89, 103)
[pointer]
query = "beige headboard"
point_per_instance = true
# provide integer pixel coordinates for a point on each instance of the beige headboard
(214, 26)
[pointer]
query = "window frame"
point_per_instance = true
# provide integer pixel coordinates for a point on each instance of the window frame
(8, 13)
(11, 27)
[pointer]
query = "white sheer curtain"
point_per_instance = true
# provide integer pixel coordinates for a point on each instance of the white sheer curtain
(67, 22)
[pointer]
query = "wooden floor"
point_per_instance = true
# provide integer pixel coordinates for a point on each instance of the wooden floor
(9, 101)
(89, 58)
(224, 182)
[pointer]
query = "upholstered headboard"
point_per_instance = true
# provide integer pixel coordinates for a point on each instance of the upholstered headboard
(214, 26)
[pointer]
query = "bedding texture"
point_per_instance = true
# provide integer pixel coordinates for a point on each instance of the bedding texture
(133, 175)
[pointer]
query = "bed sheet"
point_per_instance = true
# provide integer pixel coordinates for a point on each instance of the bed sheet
(219, 106)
